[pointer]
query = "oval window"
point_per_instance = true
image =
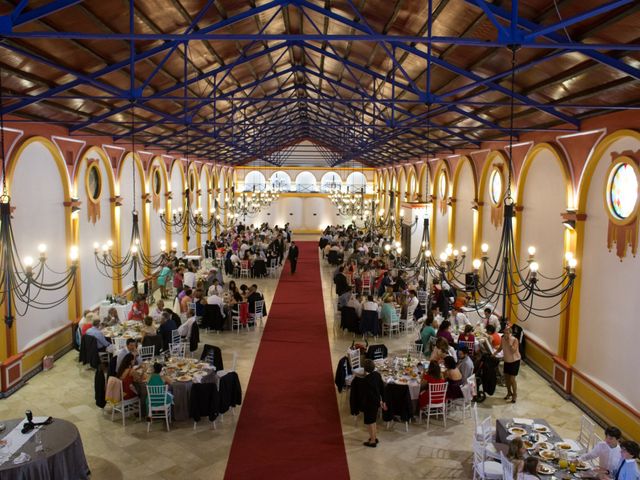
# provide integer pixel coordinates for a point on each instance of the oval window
(495, 186)
(157, 182)
(442, 185)
(623, 191)
(94, 182)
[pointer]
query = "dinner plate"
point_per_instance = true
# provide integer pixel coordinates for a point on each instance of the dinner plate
(541, 428)
(517, 431)
(184, 378)
(545, 469)
(547, 454)
(582, 466)
(545, 446)
(564, 446)
(402, 381)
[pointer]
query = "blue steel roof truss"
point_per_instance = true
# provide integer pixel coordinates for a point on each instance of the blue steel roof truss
(376, 116)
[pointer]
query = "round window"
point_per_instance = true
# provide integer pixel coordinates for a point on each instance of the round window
(157, 182)
(442, 185)
(94, 182)
(495, 186)
(623, 190)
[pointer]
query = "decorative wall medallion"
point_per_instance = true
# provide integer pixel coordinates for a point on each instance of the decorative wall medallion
(93, 189)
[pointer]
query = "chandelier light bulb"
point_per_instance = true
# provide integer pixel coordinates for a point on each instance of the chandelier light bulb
(456, 253)
(96, 246)
(402, 213)
(568, 256)
(427, 253)
(532, 250)
(28, 262)
(42, 248)
(163, 247)
(424, 244)
(73, 253)
(134, 249)
(397, 244)
(448, 250)
(477, 264)
(180, 211)
(110, 244)
(105, 248)
(534, 267)
(161, 212)
(399, 250)
(443, 257)
(463, 249)
(387, 247)
(484, 248)
(174, 245)
(449, 246)
(573, 263)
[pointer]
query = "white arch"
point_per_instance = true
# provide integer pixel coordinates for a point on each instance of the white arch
(329, 181)
(280, 181)
(356, 182)
(306, 182)
(254, 179)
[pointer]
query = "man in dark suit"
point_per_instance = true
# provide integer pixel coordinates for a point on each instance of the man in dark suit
(293, 256)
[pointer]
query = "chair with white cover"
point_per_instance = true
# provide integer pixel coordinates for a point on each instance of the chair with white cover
(473, 384)
(507, 466)
(158, 404)
(178, 349)
(485, 435)
(470, 346)
(354, 358)
(408, 324)
(484, 469)
(464, 403)
(244, 269)
(258, 314)
(122, 406)
(119, 343)
(587, 429)
(437, 403)
(147, 353)
(272, 269)
(414, 349)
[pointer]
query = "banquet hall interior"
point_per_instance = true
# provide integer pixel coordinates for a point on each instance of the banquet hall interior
(333, 200)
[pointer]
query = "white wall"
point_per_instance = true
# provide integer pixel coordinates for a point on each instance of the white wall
(609, 302)
(464, 213)
(177, 201)
(303, 209)
(544, 200)
(37, 194)
(94, 285)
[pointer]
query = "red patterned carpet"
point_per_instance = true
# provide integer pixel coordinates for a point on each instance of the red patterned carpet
(290, 425)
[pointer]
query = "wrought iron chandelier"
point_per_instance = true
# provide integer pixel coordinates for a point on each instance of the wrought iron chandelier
(510, 281)
(24, 280)
(115, 266)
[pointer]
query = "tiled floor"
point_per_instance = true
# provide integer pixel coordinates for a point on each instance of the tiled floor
(116, 452)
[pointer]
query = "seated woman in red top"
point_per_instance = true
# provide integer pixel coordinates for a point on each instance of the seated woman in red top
(467, 335)
(140, 309)
(432, 375)
(125, 373)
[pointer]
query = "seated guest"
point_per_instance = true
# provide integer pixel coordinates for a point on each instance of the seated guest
(215, 288)
(88, 318)
(428, 332)
(495, 337)
(388, 311)
(607, 451)
(516, 454)
(95, 331)
(140, 309)
(443, 332)
(530, 470)
(185, 329)
(432, 375)
(467, 335)
(125, 374)
(442, 349)
(175, 317)
(131, 348)
(255, 296)
(628, 468)
(490, 319)
(370, 305)
(460, 318)
(454, 377)
(465, 364)
(215, 298)
(412, 302)
(186, 300)
(167, 325)
(157, 380)
(355, 304)
(344, 298)
(156, 311)
(147, 329)
(112, 317)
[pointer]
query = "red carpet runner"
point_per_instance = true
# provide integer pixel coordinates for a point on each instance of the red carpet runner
(290, 426)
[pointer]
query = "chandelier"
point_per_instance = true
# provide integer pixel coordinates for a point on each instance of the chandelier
(114, 266)
(23, 281)
(509, 280)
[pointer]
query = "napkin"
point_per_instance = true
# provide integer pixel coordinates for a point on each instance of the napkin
(22, 458)
(523, 421)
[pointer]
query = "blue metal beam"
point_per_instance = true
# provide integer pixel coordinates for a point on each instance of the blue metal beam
(18, 18)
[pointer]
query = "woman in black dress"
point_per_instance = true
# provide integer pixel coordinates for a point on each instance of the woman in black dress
(372, 400)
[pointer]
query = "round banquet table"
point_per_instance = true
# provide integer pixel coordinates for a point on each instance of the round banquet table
(63, 456)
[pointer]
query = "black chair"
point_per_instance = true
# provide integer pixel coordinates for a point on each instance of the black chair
(370, 323)
(89, 351)
(375, 352)
(212, 318)
(204, 401)
(153, 340)
(217, 356)
(349, 319)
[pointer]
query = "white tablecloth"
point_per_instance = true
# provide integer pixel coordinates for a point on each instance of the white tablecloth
(123, 310)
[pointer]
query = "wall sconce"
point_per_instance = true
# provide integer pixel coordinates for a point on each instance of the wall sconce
(570, 219)
(570, 224)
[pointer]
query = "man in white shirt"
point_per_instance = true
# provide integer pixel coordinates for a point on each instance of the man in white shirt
(465, 364)
(189, 279)
(215, 288)
(460, 318)
(607, 452)
(156, 312)
(243, 248)
(130, 348)
(413, 302)
(370, 305)
(355, 304)
(215, 299)
(491, 319)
